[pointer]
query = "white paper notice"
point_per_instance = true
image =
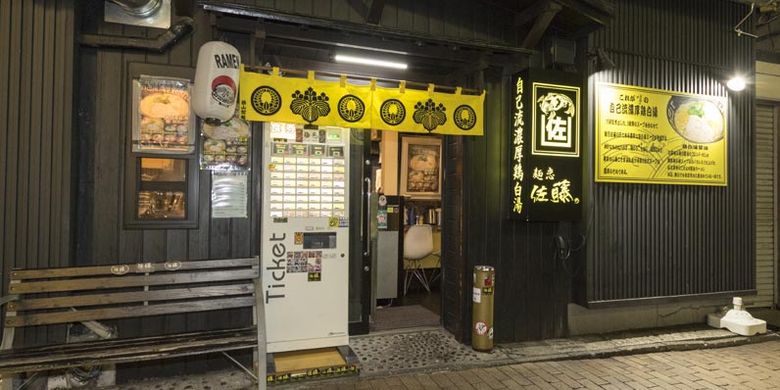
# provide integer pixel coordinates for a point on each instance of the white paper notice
(229, 194)
(477, 296)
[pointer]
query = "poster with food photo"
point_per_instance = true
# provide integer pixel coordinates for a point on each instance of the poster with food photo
(225, 145)
(162, 119)
(421, 167)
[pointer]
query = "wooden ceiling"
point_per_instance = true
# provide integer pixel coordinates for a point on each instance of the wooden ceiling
(300, 40)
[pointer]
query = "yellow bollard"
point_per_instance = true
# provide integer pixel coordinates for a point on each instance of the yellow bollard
(482, 308)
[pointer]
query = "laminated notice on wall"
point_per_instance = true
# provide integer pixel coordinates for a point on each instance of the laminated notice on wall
(229, 194)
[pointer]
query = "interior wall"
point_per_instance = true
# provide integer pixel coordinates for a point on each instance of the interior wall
(389, 155)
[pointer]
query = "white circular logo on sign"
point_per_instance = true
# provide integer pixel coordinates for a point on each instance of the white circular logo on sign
(382, 200)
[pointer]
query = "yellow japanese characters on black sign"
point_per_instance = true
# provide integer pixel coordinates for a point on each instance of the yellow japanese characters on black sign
(653, 136)
(277, 98)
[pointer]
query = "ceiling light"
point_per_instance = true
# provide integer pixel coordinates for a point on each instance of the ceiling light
(370, 61)
(736, 83)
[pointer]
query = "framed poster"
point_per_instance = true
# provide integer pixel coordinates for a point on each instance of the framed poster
(162, 120)
(421, 167)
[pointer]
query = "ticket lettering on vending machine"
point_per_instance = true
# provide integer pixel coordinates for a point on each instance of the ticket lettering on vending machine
(305, 236)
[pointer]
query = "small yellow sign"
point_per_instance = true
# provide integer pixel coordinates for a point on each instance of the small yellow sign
(646, 135)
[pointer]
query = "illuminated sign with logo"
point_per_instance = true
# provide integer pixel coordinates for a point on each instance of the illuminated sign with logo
(546, 171)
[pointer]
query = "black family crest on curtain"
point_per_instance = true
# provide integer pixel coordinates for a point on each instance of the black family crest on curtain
(546, 164)
(464, 117)
(266, 100)
(392, 112)
(429, 114)
(351, 108)
(309, 105)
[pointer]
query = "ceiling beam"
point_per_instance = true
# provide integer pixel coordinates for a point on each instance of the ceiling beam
(599, 11)
(375, 12)
(359, 7)
(357, 70)
(369, 43)
(540, 25)
(359, 28)
(532, 12)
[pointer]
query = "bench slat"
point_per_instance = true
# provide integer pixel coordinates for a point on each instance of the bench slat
(132, 281)
(129, 311)
(130, 297)
(102, 270)
(127, 353)
(84, 346)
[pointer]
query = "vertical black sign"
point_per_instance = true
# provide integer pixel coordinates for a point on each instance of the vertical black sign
(546, 160)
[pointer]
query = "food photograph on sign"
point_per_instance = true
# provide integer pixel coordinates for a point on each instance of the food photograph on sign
(225, 145)
(660, 137)
(421, 166)
(162, 119)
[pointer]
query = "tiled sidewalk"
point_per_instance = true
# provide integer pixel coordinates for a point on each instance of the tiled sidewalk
(751, 366)
(429, 358)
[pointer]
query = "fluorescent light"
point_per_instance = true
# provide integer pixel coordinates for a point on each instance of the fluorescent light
(370, 61)
(736, 83)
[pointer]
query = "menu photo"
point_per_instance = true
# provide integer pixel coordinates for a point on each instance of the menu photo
(162, 119)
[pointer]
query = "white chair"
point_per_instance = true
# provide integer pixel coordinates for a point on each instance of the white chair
(418, 244)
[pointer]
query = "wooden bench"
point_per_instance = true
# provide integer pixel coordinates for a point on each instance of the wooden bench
(52, 296)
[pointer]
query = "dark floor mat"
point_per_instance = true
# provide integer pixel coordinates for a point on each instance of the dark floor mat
(403, 317)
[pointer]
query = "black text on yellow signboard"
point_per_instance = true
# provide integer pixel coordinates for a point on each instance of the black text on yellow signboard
(653, 136)
(278, 98)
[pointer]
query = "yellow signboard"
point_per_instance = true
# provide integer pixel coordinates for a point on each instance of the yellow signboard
(264, 97)
(653, 136)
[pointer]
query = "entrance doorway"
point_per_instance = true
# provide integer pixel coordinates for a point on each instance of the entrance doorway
(406, 222)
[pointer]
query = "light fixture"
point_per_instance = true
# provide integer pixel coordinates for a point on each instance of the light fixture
(370, 61)
(736, 83)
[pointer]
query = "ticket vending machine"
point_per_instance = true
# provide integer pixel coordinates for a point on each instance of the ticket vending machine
(305, 234)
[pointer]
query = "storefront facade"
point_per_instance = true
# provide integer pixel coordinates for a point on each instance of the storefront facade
(641, 255)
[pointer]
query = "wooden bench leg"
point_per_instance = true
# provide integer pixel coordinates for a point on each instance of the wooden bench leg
(6, 382)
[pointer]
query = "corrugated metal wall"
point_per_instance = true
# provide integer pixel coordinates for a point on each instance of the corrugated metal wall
(663, 240)
(462, 19)
(765, 205)
(36, 97)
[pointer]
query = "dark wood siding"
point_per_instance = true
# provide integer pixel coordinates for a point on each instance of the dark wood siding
(102, 239)
(532, 290)
(648, 241)
(36, 103)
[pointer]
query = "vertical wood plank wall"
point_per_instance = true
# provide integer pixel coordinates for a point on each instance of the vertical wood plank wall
(36, 105)
(532, 289)
(672, 240)
(102, 239)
